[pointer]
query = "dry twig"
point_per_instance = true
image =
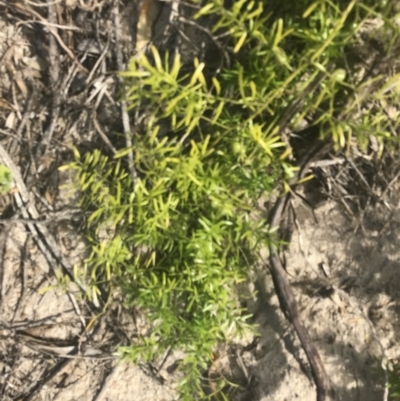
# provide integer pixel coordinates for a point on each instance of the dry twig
(42, 236)
(284, 292)
(124, 111)
(54, 79)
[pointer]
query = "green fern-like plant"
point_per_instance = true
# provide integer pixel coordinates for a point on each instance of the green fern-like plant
(180, 235)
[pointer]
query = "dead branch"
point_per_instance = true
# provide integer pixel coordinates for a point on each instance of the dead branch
(124, 110)
(282, 287)
(40, 233)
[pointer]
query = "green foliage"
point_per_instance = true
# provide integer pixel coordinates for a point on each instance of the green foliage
(394, 381)
(5, 179)
(180, 237)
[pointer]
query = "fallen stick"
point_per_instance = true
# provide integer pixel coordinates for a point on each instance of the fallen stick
(39, 231)
(282, 287)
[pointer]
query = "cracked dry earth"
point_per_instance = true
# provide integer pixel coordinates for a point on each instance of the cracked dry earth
(45, 353)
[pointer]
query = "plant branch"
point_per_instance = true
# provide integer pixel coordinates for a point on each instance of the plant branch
(282, 287)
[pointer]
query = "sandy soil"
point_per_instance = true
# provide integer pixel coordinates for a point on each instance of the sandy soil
(352, 315)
